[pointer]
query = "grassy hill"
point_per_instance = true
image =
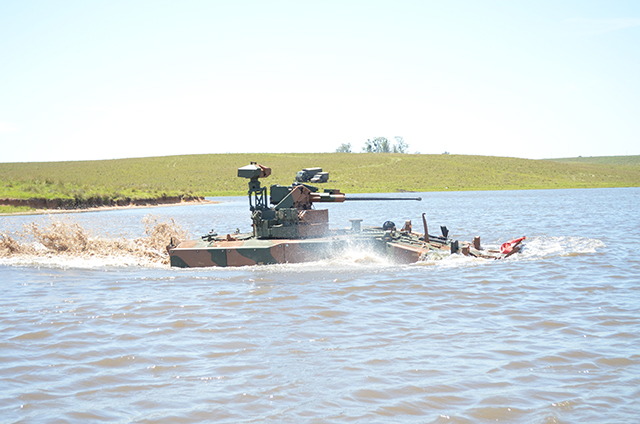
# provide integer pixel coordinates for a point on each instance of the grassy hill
(216, 174)
(629, 161)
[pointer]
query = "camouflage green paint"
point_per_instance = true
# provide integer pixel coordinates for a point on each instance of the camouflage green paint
(292, 231)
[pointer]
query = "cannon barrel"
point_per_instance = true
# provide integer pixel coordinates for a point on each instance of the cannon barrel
(340, 197)
(369, 198)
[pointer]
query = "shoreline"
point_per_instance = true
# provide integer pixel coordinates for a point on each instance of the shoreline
(158, 204)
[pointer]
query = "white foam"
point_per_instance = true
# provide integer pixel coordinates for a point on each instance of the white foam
(544, 246)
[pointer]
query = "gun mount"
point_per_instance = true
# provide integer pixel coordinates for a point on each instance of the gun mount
(292, 214)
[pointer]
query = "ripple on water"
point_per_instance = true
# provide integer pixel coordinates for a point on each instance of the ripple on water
(551, 335)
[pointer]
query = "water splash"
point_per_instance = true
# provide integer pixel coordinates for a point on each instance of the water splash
(544, 247)
(534, 248)
(357, 256)
(64, 242)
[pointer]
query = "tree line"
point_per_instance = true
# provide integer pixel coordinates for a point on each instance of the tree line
(378, 145)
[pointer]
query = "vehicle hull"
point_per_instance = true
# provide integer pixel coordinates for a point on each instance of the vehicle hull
(242, 250)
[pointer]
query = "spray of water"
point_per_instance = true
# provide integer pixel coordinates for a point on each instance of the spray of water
(64, 239)
(64, 242)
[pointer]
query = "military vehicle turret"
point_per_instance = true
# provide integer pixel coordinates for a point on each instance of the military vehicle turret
(288, 229)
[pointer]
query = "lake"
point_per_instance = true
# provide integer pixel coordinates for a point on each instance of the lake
(551, 335)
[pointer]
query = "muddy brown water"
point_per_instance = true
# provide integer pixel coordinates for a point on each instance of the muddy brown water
(551, 335)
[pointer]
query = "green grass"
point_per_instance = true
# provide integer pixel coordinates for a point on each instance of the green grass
(14, 209)
(48, 189)
(216, 174)
(628, 161)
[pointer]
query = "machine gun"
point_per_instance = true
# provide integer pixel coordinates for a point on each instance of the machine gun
(312, 175)
(292, 215)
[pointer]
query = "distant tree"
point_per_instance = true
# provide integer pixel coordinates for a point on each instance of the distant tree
(383, 145)
(344, 148)
(377, 145)
(400, 146)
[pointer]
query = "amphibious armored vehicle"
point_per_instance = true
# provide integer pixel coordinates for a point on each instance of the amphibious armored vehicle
(293, 231)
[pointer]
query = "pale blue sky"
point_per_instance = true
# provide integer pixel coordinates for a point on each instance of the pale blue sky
(110, 79)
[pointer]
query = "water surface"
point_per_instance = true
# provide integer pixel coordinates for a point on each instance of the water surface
(551, 335)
